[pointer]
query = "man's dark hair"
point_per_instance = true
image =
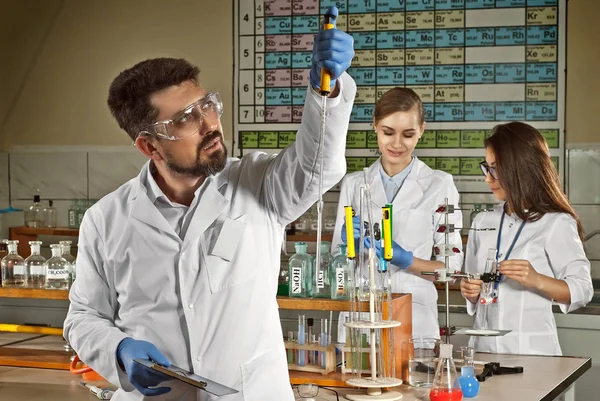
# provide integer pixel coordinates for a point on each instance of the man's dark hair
(129, 94)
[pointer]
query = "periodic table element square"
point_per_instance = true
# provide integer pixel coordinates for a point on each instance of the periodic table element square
(450, 55)
(425, 92)
(543, 53)
(419, 56)
(390, 21)
(364, 58)
(449, 93)
(361, 22)
(540, 92)
(419, 20)
(365, 95)
(392, 57)
(542, 15)
(449, 19)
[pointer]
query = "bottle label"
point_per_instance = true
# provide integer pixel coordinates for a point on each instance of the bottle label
(72, 218)
(320, 279)
(313, 226)
(58, 274)
(296, 280)
(300, 225)
(39, 270)
(329, 226)
(339, 279)
(19, 270)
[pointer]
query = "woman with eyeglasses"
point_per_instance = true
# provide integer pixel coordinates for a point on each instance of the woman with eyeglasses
(416, 191)
(537, 236)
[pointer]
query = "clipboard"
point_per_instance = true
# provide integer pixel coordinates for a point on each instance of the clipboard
(188, 377)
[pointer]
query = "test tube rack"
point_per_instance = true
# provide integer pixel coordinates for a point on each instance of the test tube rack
(330, 359)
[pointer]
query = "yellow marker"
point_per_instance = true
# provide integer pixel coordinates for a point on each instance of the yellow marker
(325, 76)
(386, 232)
(350, 231)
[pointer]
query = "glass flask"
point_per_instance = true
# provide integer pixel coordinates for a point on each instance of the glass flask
(14, 273)
(300, 272)
(320, 287)
(34, 217)
(66, 254)
(339, 274)
(57, 272)
(446, 386)
(36, 265)
(50, 214)
(468, 382)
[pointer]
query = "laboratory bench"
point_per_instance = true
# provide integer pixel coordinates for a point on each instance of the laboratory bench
(543, 379)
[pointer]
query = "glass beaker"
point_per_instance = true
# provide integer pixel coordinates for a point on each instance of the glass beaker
(423, 353)
(446, 386)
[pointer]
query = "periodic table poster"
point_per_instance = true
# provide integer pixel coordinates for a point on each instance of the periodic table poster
(474, 63)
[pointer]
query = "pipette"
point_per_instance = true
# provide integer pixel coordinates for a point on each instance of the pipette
(324, 90)
(101, 393)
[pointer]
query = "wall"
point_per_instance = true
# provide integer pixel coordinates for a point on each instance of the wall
(63, 99)
(583, 81)
(64, 54)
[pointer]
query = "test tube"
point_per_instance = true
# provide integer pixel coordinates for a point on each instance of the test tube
(290, 352)
(311, 354)
(324, 338)
(301, 336)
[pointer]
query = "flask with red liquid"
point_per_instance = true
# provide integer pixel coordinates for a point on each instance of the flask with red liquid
(446, 386)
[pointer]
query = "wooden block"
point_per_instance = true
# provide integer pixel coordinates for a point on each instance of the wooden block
(35, 358)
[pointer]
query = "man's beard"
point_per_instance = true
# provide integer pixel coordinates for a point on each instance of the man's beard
(202, 168)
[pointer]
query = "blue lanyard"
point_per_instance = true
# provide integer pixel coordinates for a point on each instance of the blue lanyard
(512, 245)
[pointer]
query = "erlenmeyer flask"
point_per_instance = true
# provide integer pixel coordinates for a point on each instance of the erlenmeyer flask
(446, 386)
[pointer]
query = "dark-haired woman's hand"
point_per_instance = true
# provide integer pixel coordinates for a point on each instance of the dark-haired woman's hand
(521, 271)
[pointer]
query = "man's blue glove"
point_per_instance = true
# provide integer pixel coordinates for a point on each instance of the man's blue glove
(332, 50)
(356, 223)
(141, 377)
(400, 257)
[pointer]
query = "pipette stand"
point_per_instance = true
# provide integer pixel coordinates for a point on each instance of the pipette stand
(382, 363)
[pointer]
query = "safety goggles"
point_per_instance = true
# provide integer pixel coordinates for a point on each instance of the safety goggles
(309, 391)
(188, 121)
(486, 169)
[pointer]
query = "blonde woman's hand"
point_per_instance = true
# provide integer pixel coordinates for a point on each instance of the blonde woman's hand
(470, 289)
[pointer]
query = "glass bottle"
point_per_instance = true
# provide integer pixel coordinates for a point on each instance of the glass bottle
(320, 284)
(312, 219)
(36, 265)
(446, 386)
(57, 273)
(83, 207)
(300, 271)
(329, 220)
(34, 217)
(66, 254)
(14, 273)
(73, 213)
(283, 283)
(468, 382)
(50, 215)
(339, 274)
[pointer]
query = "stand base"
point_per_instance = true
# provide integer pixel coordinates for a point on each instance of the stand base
(388, 396)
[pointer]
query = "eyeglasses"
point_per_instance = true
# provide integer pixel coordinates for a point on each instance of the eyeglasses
(188, 121)
(486, 169)
(312, 390)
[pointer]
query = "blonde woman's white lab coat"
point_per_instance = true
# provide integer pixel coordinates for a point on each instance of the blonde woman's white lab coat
(415, 224)
(554, 249)
(208, 302)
